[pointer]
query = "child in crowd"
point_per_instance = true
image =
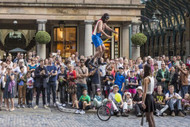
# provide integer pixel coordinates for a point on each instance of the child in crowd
(29, 89)
(128, 103)
(108, 83)
(186, 102)
(133, 83)
(84, 103)
(21, 88)
(97, 99)
(62, 83)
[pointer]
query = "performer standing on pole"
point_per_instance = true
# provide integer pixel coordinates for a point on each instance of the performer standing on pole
(148, 99)
(99, 28)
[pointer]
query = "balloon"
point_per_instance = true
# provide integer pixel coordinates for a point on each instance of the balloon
(118, 97)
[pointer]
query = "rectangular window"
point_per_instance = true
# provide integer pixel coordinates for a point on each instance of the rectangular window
(117, 43)
(65, 40)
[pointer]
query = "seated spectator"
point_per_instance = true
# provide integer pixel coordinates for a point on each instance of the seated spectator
(160, 104)
(133, 83)
(186, 102)
(117, 102)
(137, 101)
(97, 99)
(174, 100)
(84, 103)
(127, 102)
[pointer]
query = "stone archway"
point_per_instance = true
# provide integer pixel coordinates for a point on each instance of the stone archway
(14, 40)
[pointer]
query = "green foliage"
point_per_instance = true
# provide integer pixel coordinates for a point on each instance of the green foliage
(139, 39)
(43, 37)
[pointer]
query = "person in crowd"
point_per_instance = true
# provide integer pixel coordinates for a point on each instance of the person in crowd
(148, 99)
(29, 89)
(51, 86)
(117, 103)
(82, 74)
(108, 83)
(186, 102)
(21, 88)
(62, 83)
(133, 83)
(163, 77)
(41, 75)
(84, 103)
(2, 82)
(72, 88)
(127, 102)
(95, 74)
(137, 101)
(9, 87)
(184, 79)
(97, 101)
(160, 102)
(120, 80)
(174, 99)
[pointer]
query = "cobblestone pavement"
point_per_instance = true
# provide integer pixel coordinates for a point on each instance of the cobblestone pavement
(54, 118)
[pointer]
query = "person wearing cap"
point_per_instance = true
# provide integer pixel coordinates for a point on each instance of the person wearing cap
(98, 31)
(117, 106)
(127, 102)
(120, 80)
(97, 101)
(137, 101)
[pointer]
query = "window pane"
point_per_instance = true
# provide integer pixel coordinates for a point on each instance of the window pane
(117, 43)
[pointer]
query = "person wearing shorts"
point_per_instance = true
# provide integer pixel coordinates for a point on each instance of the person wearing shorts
(133, 83)
(99, 28)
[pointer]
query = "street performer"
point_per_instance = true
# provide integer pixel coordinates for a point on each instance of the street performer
(99, 28)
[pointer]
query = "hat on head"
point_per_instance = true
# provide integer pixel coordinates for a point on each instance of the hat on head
(127, 93)
(21, 60)
(98, 90)
(120, 67)
(139, 88)
(116, 86)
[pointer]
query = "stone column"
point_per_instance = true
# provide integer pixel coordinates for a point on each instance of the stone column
(87, 38)
(41, 48)
(135, 49)
(125, 41)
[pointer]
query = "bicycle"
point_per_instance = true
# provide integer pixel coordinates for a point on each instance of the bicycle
(104, 113)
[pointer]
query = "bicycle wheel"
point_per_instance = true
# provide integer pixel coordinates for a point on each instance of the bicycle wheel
(104, 113)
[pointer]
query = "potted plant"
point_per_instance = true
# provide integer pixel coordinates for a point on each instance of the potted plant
(138, 39)
(42, 37)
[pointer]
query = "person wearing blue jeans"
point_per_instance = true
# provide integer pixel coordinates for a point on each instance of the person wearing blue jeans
(174, 100)
(52, 72)
(184, 79)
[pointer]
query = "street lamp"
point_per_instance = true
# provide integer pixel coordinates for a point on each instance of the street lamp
(155, 20)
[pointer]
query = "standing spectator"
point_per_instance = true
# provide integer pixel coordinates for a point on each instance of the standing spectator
(174, 99)
(133, 83)
(120, 80)
(9, 87)
(72, 88)
(184, 79)
(188, 62)
(51, 86)
(108, 83)
(95, 73)
(62, 83)
(29, 89)
(163, 77)
(82, 74)
(41, 83)
(21, 88)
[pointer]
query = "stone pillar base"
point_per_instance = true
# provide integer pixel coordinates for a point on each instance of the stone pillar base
(41, 50)
(135, 52)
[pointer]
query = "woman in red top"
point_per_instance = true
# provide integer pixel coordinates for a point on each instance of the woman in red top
(71, 76)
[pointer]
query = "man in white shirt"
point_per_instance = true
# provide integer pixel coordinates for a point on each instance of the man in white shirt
(174, 99)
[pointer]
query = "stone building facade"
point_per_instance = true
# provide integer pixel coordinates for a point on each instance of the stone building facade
(70, 24)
